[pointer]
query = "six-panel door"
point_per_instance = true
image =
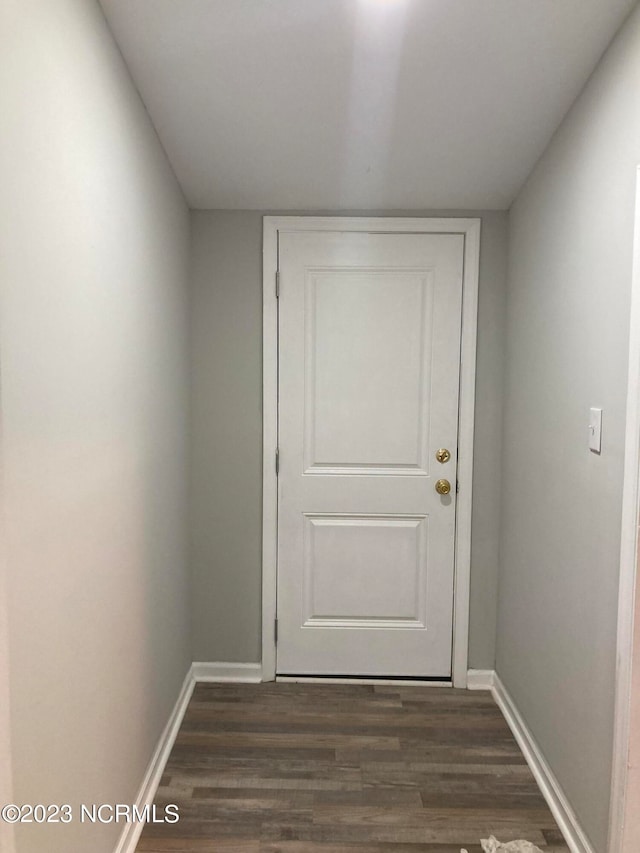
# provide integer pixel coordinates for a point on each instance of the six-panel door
(369, 362)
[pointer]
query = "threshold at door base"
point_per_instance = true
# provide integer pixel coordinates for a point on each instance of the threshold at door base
(396, 681)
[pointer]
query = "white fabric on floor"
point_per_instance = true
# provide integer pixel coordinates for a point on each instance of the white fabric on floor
(492, 845)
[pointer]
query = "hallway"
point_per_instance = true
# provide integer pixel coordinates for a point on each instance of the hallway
(319, 356)
(298, 768)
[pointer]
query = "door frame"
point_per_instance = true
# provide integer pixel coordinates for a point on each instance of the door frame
(470, 230)
(628, 614)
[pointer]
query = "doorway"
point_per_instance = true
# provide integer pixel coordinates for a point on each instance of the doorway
(369, 372)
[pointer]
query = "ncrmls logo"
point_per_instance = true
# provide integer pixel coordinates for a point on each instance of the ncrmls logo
(104, 813)
(124, 813)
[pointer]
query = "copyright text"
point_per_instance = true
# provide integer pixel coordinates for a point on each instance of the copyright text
(103, 813)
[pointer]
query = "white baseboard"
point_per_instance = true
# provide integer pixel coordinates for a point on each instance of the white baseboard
(248, 673)
(480, 679)
(132, 831)
(549, 786)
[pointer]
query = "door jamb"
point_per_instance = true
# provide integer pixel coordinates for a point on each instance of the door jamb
(627, 612)
(470, 229)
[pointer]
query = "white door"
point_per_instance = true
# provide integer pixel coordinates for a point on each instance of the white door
(369, 364)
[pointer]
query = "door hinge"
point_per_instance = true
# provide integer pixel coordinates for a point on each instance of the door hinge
(275, 630)
(277, 461)
(277, 284)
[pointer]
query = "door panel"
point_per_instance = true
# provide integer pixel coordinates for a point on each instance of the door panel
(369, 356)
(365, 571)
(367, 370)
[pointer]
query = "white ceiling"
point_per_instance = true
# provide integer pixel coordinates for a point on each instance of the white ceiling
(359, 104)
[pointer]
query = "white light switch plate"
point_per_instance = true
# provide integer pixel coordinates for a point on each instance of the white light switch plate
(595, 430)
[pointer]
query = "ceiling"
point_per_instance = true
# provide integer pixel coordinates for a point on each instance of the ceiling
(359, 104)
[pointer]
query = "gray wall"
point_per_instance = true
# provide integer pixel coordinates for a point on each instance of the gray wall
(226, 453)
(571, 232)
(6, 772)
(93, 269)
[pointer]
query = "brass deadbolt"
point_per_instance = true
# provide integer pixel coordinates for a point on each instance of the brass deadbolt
(443, 455)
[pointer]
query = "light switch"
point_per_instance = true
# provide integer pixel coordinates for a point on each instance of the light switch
(595, 430)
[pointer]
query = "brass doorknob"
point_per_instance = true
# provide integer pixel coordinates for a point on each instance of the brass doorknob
(443, 455)
(443, 487)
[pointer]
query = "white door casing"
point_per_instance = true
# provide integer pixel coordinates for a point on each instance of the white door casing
(623, 829)
(370, 318)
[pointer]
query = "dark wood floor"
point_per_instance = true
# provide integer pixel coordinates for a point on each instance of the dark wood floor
(298, 768)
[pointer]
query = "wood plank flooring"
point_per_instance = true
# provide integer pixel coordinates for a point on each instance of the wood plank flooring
(305, 768)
